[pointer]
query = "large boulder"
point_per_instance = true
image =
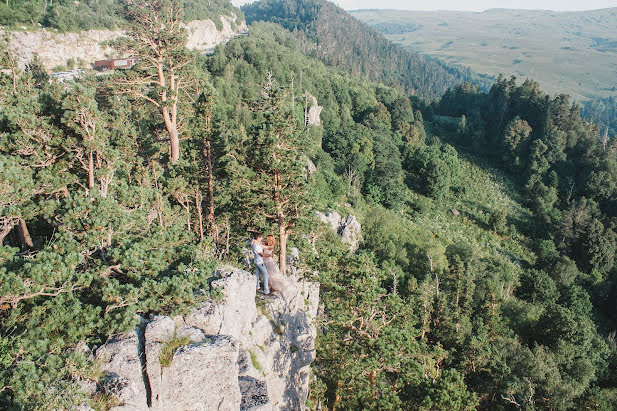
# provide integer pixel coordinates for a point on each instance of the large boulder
(201, 376)
(351, 232)
(313, 115)
(348, 228)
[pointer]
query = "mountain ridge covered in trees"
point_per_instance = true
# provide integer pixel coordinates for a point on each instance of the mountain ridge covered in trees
(486, 278)
(340, 40)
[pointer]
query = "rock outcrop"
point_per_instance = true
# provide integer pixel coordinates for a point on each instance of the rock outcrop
(244, 352)
(348, 228)
(54, 49)
(313, 115)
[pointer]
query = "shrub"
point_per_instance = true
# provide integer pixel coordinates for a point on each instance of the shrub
(170, 348)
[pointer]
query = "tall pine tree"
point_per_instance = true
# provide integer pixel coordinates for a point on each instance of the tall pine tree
(276, 161)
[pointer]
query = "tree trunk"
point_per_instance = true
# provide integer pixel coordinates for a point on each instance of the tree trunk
(169, 118)
(198, 200)
(282, 248)
(24, 234)
(174, 138)
(91, 170)
(282, 223)
(210, 178)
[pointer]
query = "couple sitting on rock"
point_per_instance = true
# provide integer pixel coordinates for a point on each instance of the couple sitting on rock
(265, 264)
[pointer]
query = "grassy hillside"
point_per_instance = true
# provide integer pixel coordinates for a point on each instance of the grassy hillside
(571, 52)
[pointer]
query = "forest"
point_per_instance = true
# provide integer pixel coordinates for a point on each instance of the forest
(486, 278)
(325, 32)
(580, 44)
(75, 16)
(603, 111)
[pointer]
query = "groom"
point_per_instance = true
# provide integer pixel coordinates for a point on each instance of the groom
(258, 251)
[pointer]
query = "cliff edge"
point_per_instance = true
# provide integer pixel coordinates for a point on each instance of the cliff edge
(54, 49)
(244, 352)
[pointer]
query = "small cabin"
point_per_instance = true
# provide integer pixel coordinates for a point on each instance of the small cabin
(113, 64)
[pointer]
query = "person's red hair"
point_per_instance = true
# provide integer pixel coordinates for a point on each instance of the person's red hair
(270, 241)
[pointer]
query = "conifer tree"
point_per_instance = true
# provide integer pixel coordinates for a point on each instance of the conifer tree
(90, 146)
(276, 157)
(204, 107)
(156, 35)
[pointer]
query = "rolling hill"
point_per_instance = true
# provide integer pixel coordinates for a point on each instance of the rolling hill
(566, 52)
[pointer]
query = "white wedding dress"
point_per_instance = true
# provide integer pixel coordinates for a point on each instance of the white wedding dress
(276, 281)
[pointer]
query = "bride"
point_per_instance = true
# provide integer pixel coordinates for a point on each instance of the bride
(276, 280)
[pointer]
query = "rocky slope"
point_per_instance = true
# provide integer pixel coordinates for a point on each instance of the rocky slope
(244, 352)
(54, 49)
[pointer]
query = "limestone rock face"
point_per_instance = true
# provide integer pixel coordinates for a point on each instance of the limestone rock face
(313, 116)
(54, 49)
(203, 34)
(310, 168)
(331, 218)
(244, 352)
(122, 358)
(351, 232)
(348, 228)
(202, 376)
(235, 314)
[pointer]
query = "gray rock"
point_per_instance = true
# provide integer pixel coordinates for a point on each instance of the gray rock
(55, 49)
(332, 218)
(202, 376)
(87, 386)
(351, 232)
(293, 258)
(287, 334)
(239, 357)
(313, 116)
(122, 367)
(348, 228)
(159, 332)
(310, 168)
(235, 313)
(254, 393)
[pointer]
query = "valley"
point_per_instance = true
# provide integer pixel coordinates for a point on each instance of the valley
(566, 52)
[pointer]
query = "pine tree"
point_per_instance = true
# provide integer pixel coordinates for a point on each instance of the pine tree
(275, 154)
(202, 122)
(155, 34)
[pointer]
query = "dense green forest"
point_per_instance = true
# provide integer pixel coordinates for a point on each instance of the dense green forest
(486, 278)
(604, 112)
(69, 15)
(324, 30)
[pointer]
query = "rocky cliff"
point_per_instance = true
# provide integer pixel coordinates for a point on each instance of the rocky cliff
(54, 49)
(244, 352)
(348, 228)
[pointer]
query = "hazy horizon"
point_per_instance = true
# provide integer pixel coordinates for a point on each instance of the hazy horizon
(472, 5)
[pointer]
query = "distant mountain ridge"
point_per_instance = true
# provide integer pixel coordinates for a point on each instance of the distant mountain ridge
(338, 39)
